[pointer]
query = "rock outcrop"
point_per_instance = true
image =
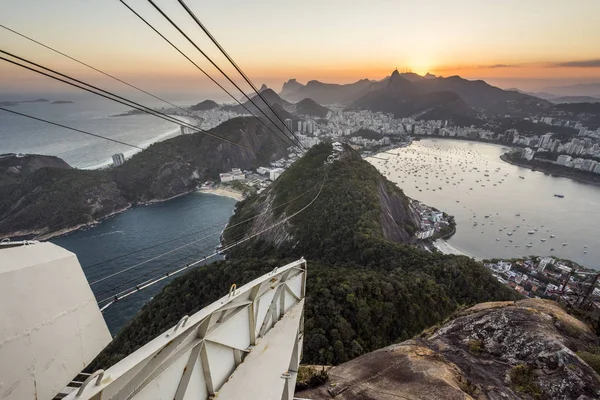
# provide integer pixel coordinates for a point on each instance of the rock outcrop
(501, 350)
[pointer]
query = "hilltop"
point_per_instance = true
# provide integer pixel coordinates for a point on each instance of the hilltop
(204, 105)
(355, 195)
(47, 196)
(324, 93)
(310, 107)
(284, 108)
(367, 286)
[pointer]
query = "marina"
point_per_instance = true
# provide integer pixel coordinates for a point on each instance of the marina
(488, 196)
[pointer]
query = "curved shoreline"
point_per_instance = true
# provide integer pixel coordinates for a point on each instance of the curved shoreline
(540, 168)
(36, 235)
(225, 192)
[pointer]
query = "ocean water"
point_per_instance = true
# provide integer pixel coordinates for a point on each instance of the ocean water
(199, 217)
(22, 135)
(133, 240)
(451, 175)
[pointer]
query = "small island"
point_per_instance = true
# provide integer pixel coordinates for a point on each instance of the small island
(129, 113)
(12, 103)
(36, 101)
(62, 102)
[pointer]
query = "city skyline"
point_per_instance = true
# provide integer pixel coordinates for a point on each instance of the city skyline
(514, 44)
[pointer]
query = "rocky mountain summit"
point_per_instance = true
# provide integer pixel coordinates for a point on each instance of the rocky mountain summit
(528, 349)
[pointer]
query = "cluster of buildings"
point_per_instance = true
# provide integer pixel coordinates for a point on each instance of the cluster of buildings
(343, 123)
(432, 221)
(209, 119)
(364, 142)
(236, 174)
(545, 277)
(308, 126)
(569, 160)
(442, 128)
(272, 173)
(579, 146)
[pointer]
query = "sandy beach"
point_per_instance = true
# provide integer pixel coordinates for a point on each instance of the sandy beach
(222, 191)
(446, 248)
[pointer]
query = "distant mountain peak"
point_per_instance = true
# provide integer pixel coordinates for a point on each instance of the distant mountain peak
(429, 76)
(204, 105)
(399, 83)
(263, 88)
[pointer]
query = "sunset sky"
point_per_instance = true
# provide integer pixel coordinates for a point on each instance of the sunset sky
(524, 43)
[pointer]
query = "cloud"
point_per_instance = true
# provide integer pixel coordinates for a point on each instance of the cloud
(499, 66)
(578, 64)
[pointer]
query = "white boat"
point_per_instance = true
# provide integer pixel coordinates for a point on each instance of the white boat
(529, 245)
(564, 244)
(543, 240)
(531, 232)
(552, 236)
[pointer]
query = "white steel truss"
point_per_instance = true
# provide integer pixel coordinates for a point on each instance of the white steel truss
(246, 345)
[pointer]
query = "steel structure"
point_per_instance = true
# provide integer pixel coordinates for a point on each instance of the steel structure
(246, 345)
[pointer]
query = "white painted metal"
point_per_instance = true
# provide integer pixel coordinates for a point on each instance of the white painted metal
(247, 345)
(50, 324)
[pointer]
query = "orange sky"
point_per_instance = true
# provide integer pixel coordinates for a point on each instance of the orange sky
(525, 43)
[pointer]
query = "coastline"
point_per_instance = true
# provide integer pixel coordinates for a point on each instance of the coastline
(108, 163)
(225, 192)
(540, 168)
(65, 231)
(446, 248)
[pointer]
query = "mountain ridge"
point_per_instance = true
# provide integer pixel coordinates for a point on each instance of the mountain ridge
(57, 198)
(475, 93)
(401, 97)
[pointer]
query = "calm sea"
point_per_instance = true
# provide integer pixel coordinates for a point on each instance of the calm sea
(22, 135)
(469, 181)
(196, 218)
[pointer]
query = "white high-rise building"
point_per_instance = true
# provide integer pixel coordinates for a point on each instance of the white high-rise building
(118, 159)
(275, 172)
(299, 126)
(288, 123)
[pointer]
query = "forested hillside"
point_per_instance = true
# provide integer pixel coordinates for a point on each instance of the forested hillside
(366, 287)
(40, 194)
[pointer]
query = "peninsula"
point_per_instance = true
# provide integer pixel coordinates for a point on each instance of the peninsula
(43, 196)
